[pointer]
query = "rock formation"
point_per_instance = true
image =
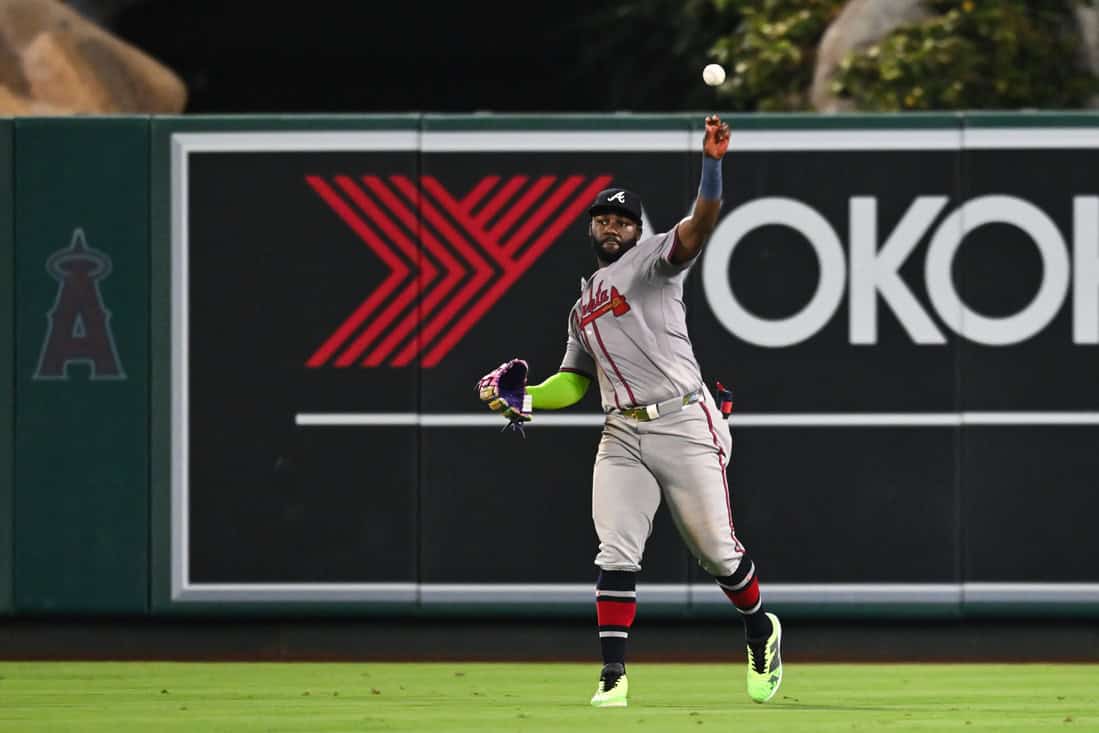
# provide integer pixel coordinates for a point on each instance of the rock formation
(860, 23)
(53, 61)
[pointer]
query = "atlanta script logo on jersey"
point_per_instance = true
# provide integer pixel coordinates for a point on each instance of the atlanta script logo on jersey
(601, 303)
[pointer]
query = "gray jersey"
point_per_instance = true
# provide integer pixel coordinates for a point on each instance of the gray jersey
(629, 328)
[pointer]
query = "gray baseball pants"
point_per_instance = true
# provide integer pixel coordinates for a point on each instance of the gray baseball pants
(681, 457)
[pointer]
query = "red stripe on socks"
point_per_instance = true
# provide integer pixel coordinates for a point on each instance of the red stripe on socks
(747, 597)
(615, 613)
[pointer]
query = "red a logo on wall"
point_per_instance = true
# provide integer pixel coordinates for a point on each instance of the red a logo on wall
(470, 250)
(79, 324)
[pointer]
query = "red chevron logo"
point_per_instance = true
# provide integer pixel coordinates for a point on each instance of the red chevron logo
(459, 255)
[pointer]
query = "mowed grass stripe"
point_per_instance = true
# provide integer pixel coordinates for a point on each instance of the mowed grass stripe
(170, 697)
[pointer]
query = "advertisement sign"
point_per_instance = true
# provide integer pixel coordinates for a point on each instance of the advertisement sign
(905, 316)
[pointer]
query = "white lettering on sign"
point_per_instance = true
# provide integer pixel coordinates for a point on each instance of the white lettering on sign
(874, 270)
(810, 224)
(1085, 285)
(944, 246)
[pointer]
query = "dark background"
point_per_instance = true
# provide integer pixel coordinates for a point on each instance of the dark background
(343, 56)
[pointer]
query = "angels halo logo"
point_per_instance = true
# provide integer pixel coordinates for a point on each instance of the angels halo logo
(79, 323)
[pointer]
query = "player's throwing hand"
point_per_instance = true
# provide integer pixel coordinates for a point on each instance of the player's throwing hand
(716, 142)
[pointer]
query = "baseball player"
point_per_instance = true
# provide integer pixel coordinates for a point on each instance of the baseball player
(664, 436)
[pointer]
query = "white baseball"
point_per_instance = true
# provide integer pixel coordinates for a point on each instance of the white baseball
(714, 75)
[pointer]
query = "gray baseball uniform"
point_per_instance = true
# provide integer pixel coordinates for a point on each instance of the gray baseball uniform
(663, 434)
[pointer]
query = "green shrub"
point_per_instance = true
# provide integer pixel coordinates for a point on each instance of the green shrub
(970, 54)
(770, 56)
(973, 54)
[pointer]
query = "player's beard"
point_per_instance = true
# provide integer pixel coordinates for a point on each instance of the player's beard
(624, 246)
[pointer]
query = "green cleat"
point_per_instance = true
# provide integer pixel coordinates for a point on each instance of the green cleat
(613, 688)
(765, 663)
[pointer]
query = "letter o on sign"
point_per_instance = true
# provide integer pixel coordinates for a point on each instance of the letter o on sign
(944, 246)
(719, 253)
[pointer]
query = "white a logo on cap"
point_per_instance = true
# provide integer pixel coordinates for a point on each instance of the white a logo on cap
(620, 197)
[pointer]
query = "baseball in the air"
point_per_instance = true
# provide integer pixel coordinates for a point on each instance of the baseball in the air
(714, 75)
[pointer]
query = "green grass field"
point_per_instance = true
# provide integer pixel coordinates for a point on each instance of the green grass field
(167, 697)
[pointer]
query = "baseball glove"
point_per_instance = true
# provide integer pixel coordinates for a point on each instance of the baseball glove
(504, 389)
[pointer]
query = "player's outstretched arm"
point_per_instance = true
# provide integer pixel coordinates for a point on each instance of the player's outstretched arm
(695, 230)
(563, 389)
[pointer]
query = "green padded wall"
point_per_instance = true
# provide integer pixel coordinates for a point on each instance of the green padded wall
(7, 359)
(81, 380)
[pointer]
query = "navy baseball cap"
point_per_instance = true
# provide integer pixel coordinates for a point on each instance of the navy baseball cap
(618, 201)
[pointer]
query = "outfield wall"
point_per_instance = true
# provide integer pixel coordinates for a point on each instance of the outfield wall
(243, 352)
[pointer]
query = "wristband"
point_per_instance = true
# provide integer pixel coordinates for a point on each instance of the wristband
(710, 186)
